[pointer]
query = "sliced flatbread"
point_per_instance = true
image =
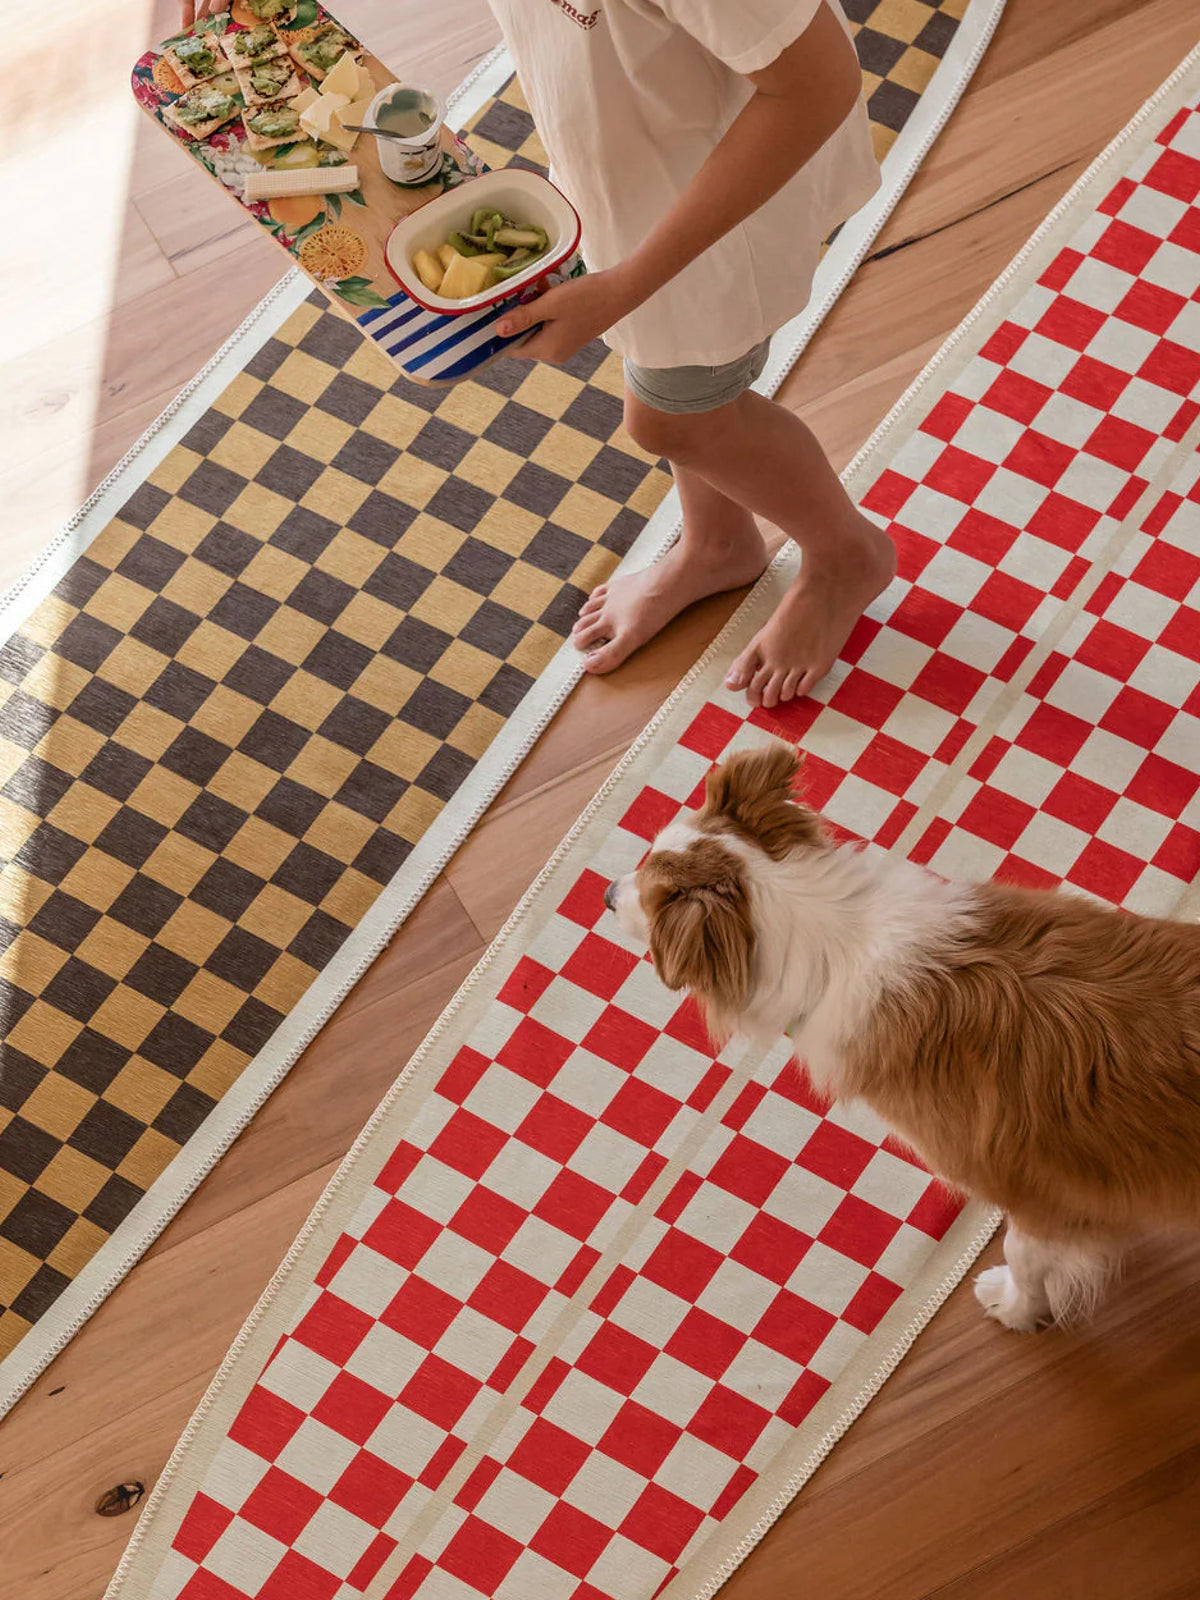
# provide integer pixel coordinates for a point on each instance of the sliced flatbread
(258, 140)
(261, 9)
(200, 130)
(285, 81)
(191, 75)
(273, 45)
(311, 48)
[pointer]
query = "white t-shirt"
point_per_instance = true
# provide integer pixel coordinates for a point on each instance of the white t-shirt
(630, 98)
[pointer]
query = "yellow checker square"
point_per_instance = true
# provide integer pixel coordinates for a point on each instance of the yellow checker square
(621, 439)
(12, 1188)
(914, 69)
(275, 915)
(71, 746)
(17, 824)
(72, 1178)
(352, 896)
(181, 525)
(882, 140)
(476, 730)
(397, 422)
(290, 635)
(83, 812)
(226, 716)
(57, 1105)
(566, 451)
(318, 435)
(335, 495)
(112, 544)
(141, 1089)
(257, 511)
(119, 603)
(132, 666)
(112, 947)
(237, 394)
(534, 650)
(97, 879)
(218, 1069)
(211, 650)
(429, 543)
(31, 961)
(489, 467)
(341, 833)
(148, 1159)
(244, 450)
(547, 390)
(193, 932)
(490, 153)
(956, 9)
(403, 750)
(610, 376)
(900, 19)
(210, 1002)
(369, 364)
(149, 731)
(260, 848)
(197, 587)
(274, 572)
(48, 621)
(464, 668)
(471, 407)
(650, 493)
(13, 1328)
(413, 813)
(76, 1247)
(322, 766)
(386, 684)
(163, 795)
(22, 895)
(285, 984)
(302, 376)
(243, 782)
(127, 1017)
(369, 621)
(55, 681)
(526, 590)
(173, 470)
(12, 758)
(178, 863)
(351, 558)
(306, 700)
(412, 481)
(17, 1266)
(447, 605)
(594, 568)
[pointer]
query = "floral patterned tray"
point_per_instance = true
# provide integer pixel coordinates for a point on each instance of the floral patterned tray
(338, 240)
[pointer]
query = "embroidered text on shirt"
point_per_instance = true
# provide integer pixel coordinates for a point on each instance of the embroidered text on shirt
(585, 19)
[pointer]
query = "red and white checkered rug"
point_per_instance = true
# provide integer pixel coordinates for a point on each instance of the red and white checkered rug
(587, 1304)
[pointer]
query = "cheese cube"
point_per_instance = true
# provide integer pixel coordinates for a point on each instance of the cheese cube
(342, 78)
(321, 112)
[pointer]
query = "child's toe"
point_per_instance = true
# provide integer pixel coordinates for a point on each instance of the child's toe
(591, 632)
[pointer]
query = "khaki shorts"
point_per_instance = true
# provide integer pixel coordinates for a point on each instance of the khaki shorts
(688, 389)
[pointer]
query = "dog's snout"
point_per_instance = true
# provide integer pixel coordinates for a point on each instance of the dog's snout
(610, 896)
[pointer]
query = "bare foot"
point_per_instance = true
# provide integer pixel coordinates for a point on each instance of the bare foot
(619, 616)
(810, 625)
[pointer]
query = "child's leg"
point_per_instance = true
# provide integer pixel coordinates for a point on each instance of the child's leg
(720, 548)
(759, 455)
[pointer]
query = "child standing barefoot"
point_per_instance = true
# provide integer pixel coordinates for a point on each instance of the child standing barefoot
(710, 146)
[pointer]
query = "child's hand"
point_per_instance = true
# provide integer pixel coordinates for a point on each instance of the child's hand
(571, 315)
(192, 11)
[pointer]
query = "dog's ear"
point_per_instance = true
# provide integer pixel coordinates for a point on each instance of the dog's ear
(702, 939)
(754, 792)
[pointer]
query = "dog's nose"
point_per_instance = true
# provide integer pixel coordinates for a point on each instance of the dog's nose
(610, 897)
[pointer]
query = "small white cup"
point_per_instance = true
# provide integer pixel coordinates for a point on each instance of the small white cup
(411, 160)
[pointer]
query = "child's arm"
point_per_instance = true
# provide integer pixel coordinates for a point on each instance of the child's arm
(800, 99)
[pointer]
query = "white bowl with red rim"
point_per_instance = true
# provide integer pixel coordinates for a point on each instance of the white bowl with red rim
(524, 196)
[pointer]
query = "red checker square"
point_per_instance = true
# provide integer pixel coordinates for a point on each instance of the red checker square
(1186, 232)
(439, 1392)
(1168, 570)
(480, 1555)
(548, 1456)
(802, 1397)
(366, 1568)
(935, 1210)
(371, 1488)
(1126, 247)
(1062, 269)
(571, 1539)
(687, 1026)
(1180, 854)
(333, 1328)
(576, 1270)
(533, 1052)
(914, 551)
(1163, 509)
(507, 1295)
(1104, 594)
(1120, 443)
(989, 758)
(509, 1364)
(772, 1248)
(988, 539)
(887, 835)
(745, 1103)
(661, 1522)
(930, 841)
(999, 818)
(1007, 601)
(584, 901)
(647, 1171)
(947, 683)
(748, 1170)
(1063, 522)
(1106, 871)
(794, 1327)
(639, 1438)
(298, 1578)
(1068, 322)
(678, 1196)
(1079, 801)
(836, 1154)
(616, 1358)
(265, 1423)
(1182, 634)
(729, 1422)
(876, 1296)
(441, 1461)
(888, 494)
(640, 1111)
(705, 1343)
(710, 1085)
(204, 1523)
(554, 1127)
(924, 615)
(1150, 307)
(650, 813)
(1003, 345)
(420, 1311)
(947, 417)
(1138, 717)
(1054, 734)
(477, 1484)
(1095, 383)
(207, 1586)
(792, 720)
(1016, 396)
(710, 731)
(281, 1505)
(1039, 458)
(1112, 650)
(342, 1249)
(959, 474)
(526, 985)
(401, 1234)
(599, 966)
(620, 1038)
(410, 1580)
(1172, 367)
(1021, 874)
(865, 698)
(573, 1203)
(352, 1408)
(1125, 501)
(487, 1219)
(459, 1078)
(860, 1231)
(468, 1144)
(1176, 174)
(1118, 197)
(795, 1084)
(733, 1491)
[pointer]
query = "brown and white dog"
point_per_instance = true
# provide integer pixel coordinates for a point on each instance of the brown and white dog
(1036, 1049)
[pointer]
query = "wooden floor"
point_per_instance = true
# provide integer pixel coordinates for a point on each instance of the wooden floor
(1064, 1467)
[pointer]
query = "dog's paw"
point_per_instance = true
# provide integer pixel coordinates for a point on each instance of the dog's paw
(1001, 1299)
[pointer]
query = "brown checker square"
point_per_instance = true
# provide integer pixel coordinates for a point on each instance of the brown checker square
(219, 899)
(77, 989)
(566, 450)
(464, 668)
(244, 451)
(63, 919)
(197, 587)
(219, 1069)
(412, 481)
(405, 751)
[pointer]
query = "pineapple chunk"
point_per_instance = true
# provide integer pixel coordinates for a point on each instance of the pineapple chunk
(429, 269)
(446, 253)
(470, 275)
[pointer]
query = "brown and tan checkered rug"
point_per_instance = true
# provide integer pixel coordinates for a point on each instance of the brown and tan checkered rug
(241, 733)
